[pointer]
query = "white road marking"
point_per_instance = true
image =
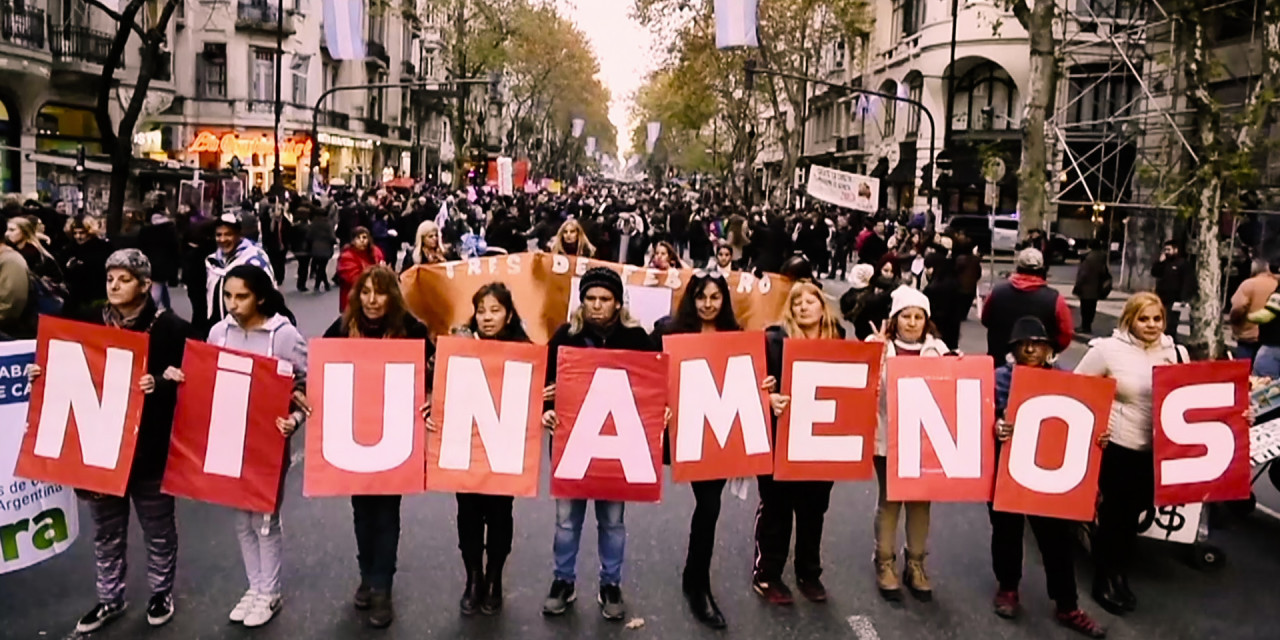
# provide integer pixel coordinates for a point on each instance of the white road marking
(862, 627)
(1268, 511)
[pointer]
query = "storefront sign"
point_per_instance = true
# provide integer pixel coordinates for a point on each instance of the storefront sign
(243, 147)
(343, 141)
(149, 141)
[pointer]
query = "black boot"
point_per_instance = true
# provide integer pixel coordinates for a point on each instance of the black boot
(473, 594)
(492, 602)
(1106, 594)
(1127, 599)
(704, 606)
(381, 612)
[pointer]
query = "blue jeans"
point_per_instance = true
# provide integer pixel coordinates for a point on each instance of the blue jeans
(1245, 351)
(1267, 362)
(611, 532)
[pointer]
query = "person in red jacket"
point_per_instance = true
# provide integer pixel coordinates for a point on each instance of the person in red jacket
(357, 256)
(1026, 293)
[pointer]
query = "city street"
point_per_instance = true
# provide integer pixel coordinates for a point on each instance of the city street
(1177, 601)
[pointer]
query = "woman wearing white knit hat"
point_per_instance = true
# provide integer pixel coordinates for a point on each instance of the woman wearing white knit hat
(908, 332)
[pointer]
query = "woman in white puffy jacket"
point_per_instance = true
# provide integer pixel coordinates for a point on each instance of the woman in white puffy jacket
(909, 331)
(1127, 479)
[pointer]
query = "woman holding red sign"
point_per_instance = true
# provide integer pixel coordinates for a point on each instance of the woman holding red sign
(1126, 481)
(705, 307)
(377, 310)
(484, 521)
(257, 322)
(808, 315)
(130, 306)
(908, 332)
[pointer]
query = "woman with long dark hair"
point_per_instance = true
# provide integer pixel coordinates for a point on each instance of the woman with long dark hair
(257, 321)
(377, 309)
(484, 521)
(705, 307)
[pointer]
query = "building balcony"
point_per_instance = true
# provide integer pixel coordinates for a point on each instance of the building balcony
(335, 119)
(79, 44)
(402, 133)
(22, 25)
(377, 51)
(407, 71)
(376, 127)
(264, 17)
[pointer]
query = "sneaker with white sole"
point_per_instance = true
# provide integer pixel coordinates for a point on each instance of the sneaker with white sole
(160, 609)
(239, 613)
(263, 610)
(101, 614)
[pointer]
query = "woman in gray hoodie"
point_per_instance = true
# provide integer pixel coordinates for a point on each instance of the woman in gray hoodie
(257, 322)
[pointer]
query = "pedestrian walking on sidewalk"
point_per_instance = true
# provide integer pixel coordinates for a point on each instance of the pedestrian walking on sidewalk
(1093, 283)
(377, 310)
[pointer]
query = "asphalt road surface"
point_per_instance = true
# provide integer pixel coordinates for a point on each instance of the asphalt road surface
(1177, 601)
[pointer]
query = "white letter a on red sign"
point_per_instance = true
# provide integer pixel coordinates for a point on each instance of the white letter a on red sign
(586, 442)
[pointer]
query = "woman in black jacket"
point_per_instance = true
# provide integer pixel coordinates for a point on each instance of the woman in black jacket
(376, 309)
(83, 261)
(808, 315)
(705, 308)
(484, 521)
(130, 307)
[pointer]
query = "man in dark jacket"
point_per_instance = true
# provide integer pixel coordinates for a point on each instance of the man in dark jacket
(1173, 278)
(1025, 293)
(601, 322)
(1093, 283)
(130, 307)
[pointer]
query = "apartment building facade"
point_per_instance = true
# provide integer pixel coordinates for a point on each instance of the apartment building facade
(213, 106)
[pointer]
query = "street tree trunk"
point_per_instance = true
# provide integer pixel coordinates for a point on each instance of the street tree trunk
(1033, 196)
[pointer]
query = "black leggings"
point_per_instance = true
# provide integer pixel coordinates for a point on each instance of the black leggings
(780, 503)
(702, 533)
(476, 512)
(1127, 486)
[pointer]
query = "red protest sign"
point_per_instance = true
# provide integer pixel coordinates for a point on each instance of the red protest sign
(828, 430)
(611, 405)
(82, 424)
(1201, 435)
(221, 451)
(487, 409)
(365, 434)
(720, 416)
(939, 433)
(1050, 466)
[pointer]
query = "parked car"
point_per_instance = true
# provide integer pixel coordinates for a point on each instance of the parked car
(1000, 233)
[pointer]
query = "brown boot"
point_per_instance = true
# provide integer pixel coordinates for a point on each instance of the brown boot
(916, 579)
(887, 577)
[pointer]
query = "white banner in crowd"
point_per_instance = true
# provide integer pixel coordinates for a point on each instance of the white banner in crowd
(736, 24)
(578, 125)
(654, 130)
(844, 189)
(37, 520)
(591, 146)
(506, 180)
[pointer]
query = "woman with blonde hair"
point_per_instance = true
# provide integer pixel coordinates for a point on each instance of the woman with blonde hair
(1126, 481)
(909, 331)
(807, 315)
(571, 240)
(427, 247)
(21, 234)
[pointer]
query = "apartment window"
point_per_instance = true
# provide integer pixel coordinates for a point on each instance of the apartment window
(329, 77)
(839, 55)
(377, 97)
(915, 90)
(407, 42)
(263, 69)
(890, 107)
(301, 68)
(908, 15)
(211, 71)
(1097, 93)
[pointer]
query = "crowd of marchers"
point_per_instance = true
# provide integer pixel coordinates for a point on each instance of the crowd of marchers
(910, 289)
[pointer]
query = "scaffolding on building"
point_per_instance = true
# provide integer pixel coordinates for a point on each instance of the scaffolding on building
(1122, 131)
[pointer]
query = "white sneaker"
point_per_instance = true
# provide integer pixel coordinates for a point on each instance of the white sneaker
(239, 613)
(263, 610)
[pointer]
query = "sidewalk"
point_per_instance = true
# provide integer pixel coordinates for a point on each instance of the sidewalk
(1111, 308)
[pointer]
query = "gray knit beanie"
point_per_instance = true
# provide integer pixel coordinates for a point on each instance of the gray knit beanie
(131, 260)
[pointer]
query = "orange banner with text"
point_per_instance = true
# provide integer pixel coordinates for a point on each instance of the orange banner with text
(545, 289)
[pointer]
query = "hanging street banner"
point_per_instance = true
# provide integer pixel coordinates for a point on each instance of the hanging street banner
(844, 189)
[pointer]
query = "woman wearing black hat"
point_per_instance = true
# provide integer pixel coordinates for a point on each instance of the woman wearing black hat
(1030, 346)
(601, 322)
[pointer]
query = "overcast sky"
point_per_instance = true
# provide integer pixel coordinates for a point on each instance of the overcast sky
(623, 48)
